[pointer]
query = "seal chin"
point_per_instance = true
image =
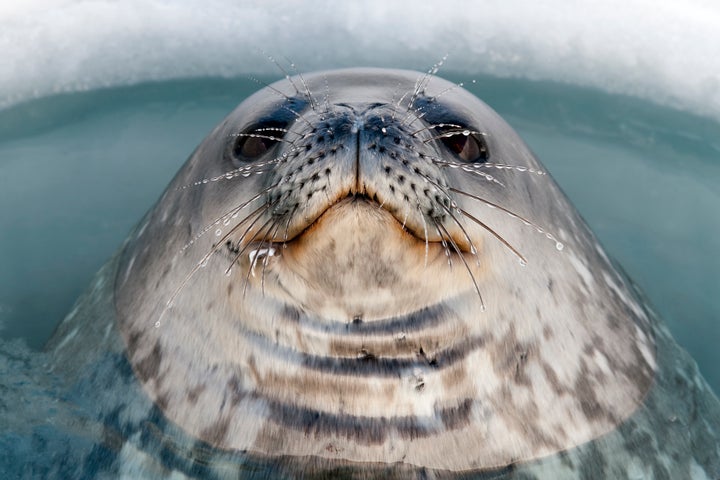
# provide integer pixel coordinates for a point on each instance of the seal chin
(356, 250)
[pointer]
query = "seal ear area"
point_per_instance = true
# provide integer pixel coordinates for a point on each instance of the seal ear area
(257, 140)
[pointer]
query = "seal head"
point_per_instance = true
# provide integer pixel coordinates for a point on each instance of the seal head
(370, 266)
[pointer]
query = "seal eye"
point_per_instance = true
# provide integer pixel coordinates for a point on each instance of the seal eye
(256, 141)
(469, 146)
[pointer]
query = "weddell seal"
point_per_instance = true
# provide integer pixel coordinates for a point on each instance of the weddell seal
(365, 273)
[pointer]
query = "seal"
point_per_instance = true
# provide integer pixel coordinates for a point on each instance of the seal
(366, 272)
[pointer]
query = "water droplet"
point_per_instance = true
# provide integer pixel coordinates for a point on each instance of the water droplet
(383, 129)
(218, 232)
(559, 246)
(157, 324)
(205, 180)
(226, 222)
(523, 263)
(204, 263)
(228, 272)
(466, 132)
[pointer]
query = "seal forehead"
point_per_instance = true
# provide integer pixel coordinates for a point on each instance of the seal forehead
(371, 260)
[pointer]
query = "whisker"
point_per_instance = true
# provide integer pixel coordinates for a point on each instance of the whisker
(453, 133)
(271, 221)
(512, 214)
(276, 225)
(284, 72)
(507, 244)
(425, 80)
(241, 247)
(425, 230)
(443, 242)
(464, 167)
(449, 89)
(305, 85)
(473, 250)
(437, 125)
(499, 166)
(268, 137)
(225, 217)
(289, 99)
(203, 262)
(467, 267)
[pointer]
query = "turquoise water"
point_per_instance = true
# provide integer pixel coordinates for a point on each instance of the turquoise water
(77, 171)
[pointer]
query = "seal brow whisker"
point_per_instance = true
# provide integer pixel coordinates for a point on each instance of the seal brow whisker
(436, 125)
(259, 135)
(467, 267)
(449, 89)
(284, 72)
(512, 214)
(464, 132)
(313, 102)
(423, 81)
(522, 259)
(284, 107)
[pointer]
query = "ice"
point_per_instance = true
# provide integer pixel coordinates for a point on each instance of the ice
(660, 51)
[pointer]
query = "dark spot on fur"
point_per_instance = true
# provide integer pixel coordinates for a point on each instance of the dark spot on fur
(215, 434)
(553, 379)
(195, 392)
(585, 395)
(149, 366)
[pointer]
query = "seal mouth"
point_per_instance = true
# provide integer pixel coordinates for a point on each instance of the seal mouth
(262, 244)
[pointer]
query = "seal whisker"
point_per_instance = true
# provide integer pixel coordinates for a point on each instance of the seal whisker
(226, 216)
(443, 242)
(425, 230)
(284, 72)
(520, 257)
(270, 250)
(449, 89)
(270, 222)
(289, 99)
(268, 137)
(203, 262)
(465, 168)
(244, 172)
(464, 132)
(467, 267)
(499, 166)
(313, 103)
(423, 81)
(512, 214)
(436, 125)
(473, 250)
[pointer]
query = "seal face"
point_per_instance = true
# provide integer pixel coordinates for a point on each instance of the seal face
(368, 266)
